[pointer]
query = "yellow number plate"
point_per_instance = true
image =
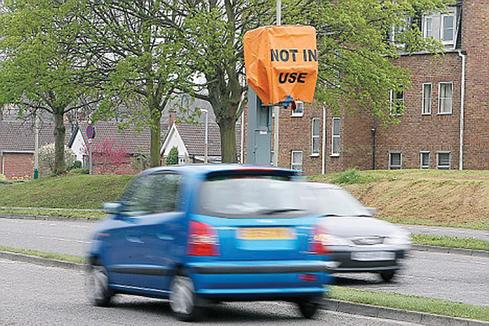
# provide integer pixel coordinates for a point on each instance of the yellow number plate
(266, 233)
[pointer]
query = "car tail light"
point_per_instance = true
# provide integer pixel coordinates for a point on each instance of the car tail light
(202, 240)
(318, 241)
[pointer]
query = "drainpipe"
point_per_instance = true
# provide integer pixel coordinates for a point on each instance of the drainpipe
(241, 141)
(462, 107)
(374, 146)
(323, 159)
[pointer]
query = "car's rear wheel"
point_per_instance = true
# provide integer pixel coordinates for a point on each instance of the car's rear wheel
(97, 286)
(308, 307)
(183, 299)
(388, 276)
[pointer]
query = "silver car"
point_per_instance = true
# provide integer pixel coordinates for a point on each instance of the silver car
(358, 241)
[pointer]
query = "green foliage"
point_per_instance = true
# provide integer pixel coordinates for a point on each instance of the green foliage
(352, 176)
(40, 68)
(71, 191)
(172, 158)
(450, 242)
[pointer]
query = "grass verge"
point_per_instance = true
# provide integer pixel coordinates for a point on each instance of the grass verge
(42, 254)
(450, 242)
(411, 303)
(90, 214)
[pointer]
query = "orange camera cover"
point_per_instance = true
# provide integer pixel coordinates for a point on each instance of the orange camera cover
(282, 61)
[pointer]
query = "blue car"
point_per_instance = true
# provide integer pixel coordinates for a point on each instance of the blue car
(198, 235)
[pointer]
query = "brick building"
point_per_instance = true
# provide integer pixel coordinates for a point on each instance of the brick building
(432, 132)
(17, 147)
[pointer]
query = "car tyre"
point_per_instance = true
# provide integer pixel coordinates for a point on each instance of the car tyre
(183, 299)
(388, 276)
(308, 308)
(97, 286)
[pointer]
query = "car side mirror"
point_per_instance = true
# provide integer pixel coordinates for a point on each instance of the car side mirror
(372, 211)
(113, 208)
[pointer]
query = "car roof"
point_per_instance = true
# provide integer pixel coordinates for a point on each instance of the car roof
(196, 169)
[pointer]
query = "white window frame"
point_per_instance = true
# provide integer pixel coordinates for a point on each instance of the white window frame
(393, 101)
(395, 167)
(421, 166)
(298, 114)
(333, 136)
(425, 25)
(442, 34)
(423, 98)
(313, 136)
(439, 98)
(292, 164)
(444, 167)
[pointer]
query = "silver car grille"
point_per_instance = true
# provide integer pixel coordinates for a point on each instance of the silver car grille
(368, 241)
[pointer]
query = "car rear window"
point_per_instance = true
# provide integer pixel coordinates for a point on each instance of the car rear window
(241, 196)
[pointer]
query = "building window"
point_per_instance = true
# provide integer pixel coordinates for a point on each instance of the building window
(426, 106)
(395, 160)
(315, 137)
(336, 137)
(298, 110)
(296, 160)
(448, 28)
(396, 102)
(425, 160)
(445, 93)
(443, 160)
(428, 26)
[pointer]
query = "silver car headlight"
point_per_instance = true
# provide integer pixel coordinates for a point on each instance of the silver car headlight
(398, 238)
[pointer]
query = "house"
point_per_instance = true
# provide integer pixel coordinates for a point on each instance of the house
(114, 149)
(189, 139)
(444, 125)
(17, 140)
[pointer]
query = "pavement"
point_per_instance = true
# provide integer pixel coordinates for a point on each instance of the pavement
(56, 297)
(425, 274)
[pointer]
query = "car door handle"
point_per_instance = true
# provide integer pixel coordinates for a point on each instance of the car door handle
(165, 237)
(134, 239)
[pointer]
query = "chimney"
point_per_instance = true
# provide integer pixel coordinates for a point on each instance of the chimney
(173, 117)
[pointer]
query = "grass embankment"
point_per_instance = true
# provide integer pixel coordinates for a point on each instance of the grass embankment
(411, 303)
(69, 192)
(424, 197)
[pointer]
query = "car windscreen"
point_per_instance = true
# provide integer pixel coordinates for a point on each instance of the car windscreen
(338, 202)
(254, 196)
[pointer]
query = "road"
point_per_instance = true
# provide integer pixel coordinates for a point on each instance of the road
(445, 276)
(37, 295)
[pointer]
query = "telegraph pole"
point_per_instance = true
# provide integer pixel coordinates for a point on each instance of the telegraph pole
(276, 109)
(36, 145)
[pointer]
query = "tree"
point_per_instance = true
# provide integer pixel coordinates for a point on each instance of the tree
(47, 157)
(139, 58)
(214, 33)
(172, 158)
(109, 156)
(39, 70)
(353, 42)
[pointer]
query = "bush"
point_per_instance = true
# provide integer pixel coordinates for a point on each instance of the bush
(141, 162)
(76, 165)
(78, 171)
(352, 176)
(172, 158)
